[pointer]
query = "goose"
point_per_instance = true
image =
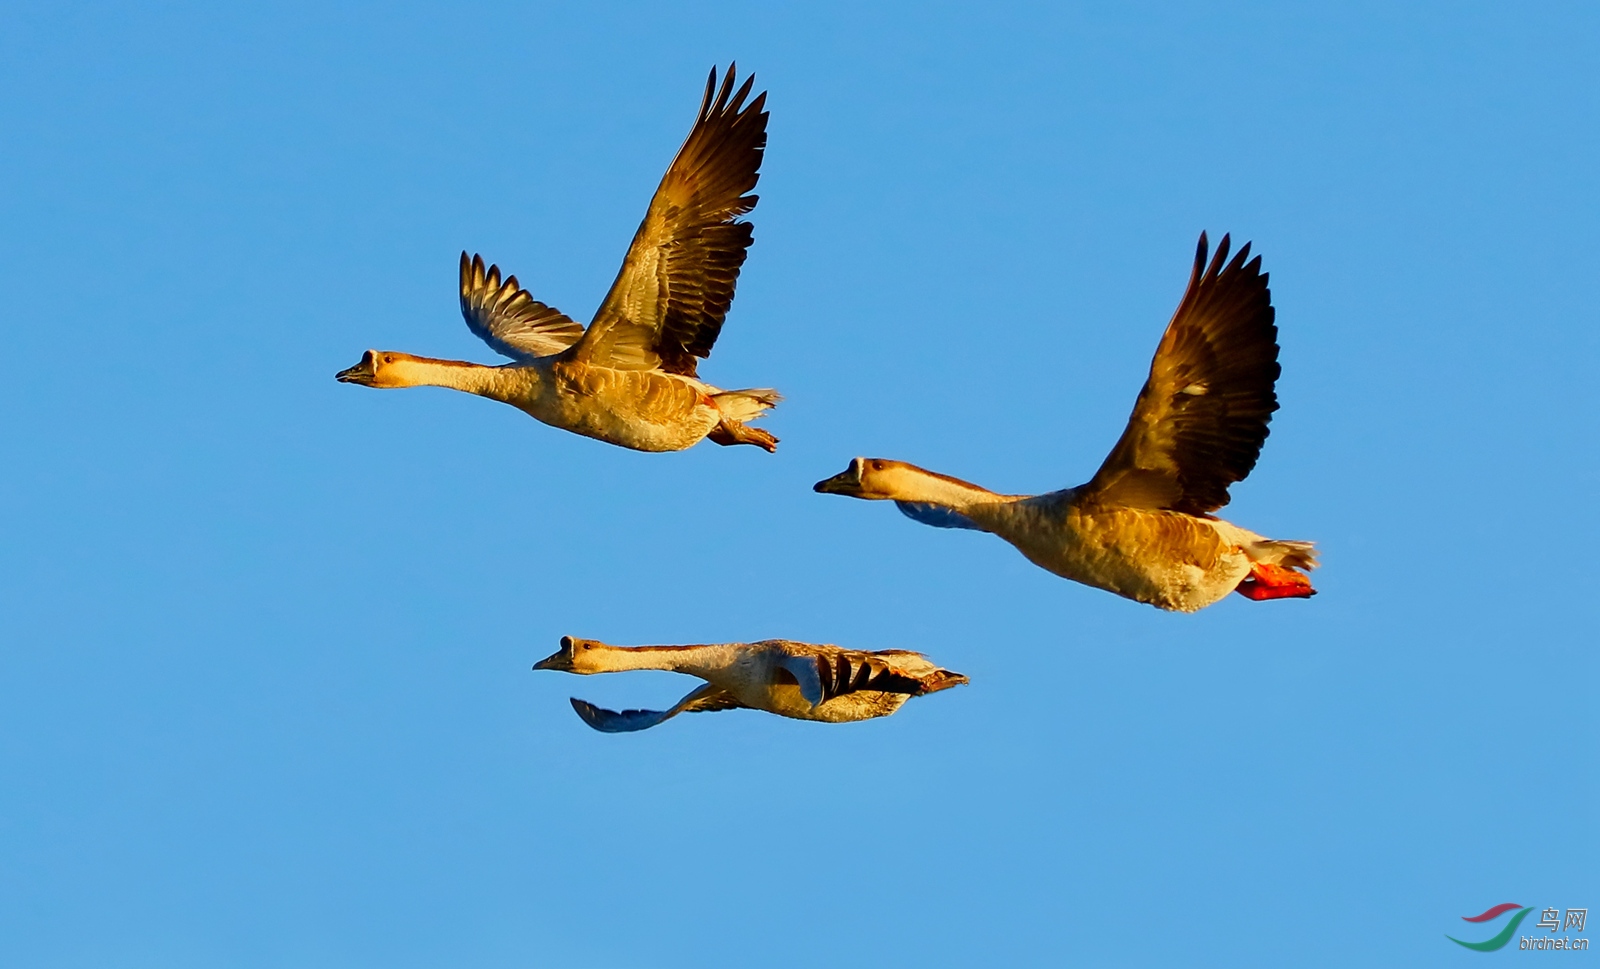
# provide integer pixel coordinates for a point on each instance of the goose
(1142, 526)
(803, 681)
(630, 378)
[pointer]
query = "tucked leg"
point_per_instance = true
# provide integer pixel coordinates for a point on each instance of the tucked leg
(729, 432)
(1275, 582)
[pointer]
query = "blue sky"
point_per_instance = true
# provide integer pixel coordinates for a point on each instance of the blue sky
(264, 638)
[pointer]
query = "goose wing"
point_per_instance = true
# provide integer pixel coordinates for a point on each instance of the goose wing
(672, 293)
(830, 673)
(705, 699)
(1201, 419)
(507, 318)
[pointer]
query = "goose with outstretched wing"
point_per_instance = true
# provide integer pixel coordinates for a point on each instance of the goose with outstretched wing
(802, 681)
(630, 378)
(1142, 527)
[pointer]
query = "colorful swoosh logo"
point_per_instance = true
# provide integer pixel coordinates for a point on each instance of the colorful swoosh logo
(1492, 913)
(1499, 941)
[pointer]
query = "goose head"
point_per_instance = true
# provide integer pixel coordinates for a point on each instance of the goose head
(875, 479)
(581, 656)
(379, 368)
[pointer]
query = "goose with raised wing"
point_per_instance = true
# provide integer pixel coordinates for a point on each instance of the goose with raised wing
(1142, 526)
(630, 378)
(803, 681)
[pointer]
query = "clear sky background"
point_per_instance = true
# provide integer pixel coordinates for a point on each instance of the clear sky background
(265, 639)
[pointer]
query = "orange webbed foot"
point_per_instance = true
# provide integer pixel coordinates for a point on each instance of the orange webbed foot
(1275, 582)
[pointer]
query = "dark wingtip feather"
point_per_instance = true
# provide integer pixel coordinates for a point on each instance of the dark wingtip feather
(705, 99)
(588, 712)
(744, 92)
(1221, 257)
(725, 90)
(471, 274)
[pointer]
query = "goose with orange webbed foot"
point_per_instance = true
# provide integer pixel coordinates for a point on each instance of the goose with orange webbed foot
(803, 681)
(1142, 527)
(630, 378)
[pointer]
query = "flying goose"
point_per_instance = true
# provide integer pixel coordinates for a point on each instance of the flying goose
(803, 681)
(629, 379)
(1142, 526)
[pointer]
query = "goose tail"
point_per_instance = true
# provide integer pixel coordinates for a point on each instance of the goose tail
(747, 404)
(1278, 570)
(1291, 555)
(941, 680)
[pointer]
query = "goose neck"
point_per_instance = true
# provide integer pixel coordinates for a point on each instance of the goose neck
(913, 484)
(473, 378)
(700, 660)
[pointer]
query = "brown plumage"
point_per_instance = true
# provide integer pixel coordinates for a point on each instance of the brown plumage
(1141, 527)
(630, 378)
(843, 671)
(803, 681)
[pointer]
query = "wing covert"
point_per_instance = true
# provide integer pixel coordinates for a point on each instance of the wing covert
(1201, 417)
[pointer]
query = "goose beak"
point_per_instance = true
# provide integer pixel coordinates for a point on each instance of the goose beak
(362, 373)
(560, 660)
(846, 482)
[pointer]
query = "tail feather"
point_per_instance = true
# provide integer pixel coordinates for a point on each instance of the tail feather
(941, 680)
(747, 404)
(1294, 555)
